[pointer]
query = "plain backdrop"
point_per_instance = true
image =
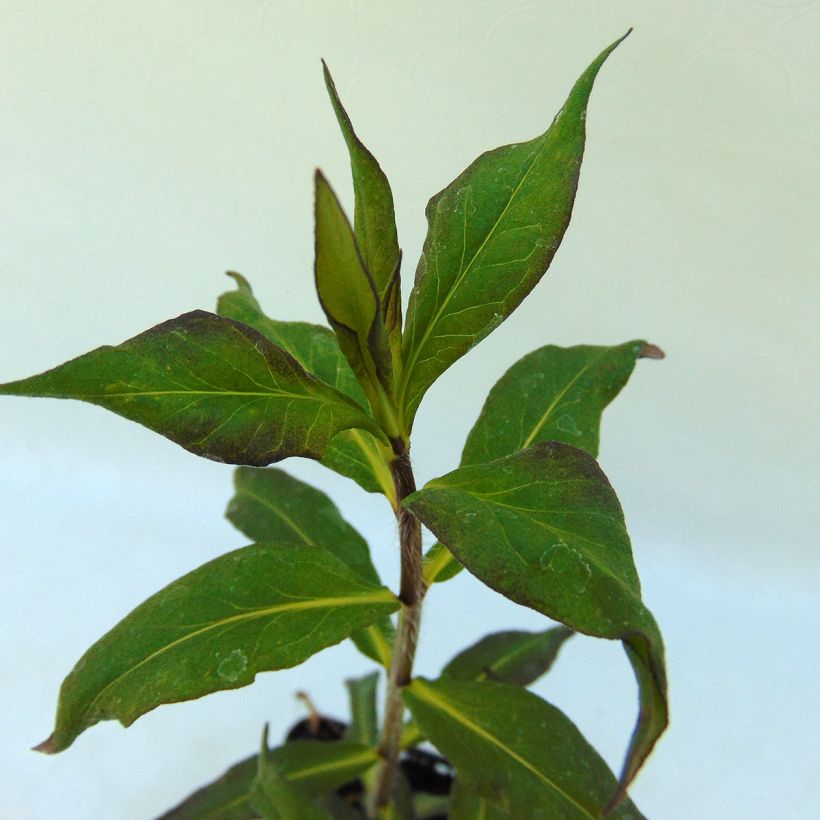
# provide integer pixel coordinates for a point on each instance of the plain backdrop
(147, 147)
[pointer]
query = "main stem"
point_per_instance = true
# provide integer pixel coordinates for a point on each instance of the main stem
(411, 594)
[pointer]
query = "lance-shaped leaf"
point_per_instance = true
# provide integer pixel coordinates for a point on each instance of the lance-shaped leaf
(552, 394)
(350, 300)
(374, 221)
(270, 505)
(314, 767)
(214, 386)
(513, 749)
(492, 234)
(263, 607)
(514, 657)
(364, 722)
(544, 528)
(354, 453)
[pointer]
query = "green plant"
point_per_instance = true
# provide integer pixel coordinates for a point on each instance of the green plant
(529, 512)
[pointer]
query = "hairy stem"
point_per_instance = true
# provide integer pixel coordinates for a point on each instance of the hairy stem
(411, 594)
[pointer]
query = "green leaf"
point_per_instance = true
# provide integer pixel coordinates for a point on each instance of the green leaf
(315, 767)
(262, 607)
(270, 505)
(513, 749)
(514, 657)
(364, 723)
(552, 394)
(492, 234)
(275, 797)
(351, 303)
(544, 528)
(466, 804)
(374, 221)
(353, 453)
(214, 386)
(224, 799)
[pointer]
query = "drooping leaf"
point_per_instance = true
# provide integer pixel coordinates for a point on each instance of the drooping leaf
(277, 798)
(350, 300)
(514, 749)
(492, 234)
(364, 721)
(212, 385)
(315, 767)
(552, 394)
(354, 453)
(544, 528)
(514, 657)
(270, 505)
(262, 607)
(374, 221)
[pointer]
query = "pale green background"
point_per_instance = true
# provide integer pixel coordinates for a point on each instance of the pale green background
(147, 147)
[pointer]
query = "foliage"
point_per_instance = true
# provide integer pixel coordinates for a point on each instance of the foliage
(529, 512)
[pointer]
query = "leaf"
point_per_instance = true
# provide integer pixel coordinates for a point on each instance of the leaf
(275, 797)
(214, 386)
(552, 394)
(466, 804)
(544, 528)
(270, 505)
(492, 234)
(259, 608)
(513, 749)
(354, 453)
(351, 302)
(514, 657)
(364, 723)
(374, 221)
(315, 767)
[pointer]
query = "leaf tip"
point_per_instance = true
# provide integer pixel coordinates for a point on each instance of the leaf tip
(650, 351)
(241, 282)
(46, 747)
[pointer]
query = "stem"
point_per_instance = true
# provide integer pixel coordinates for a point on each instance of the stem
(411, 594)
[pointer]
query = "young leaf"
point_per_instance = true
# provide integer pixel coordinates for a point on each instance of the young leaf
(214, 386)
(270, 505)
(353, 453)
(492, 234)
(552, 394)
(276, 798)
(259, 608)
(514, 657)
(351, 302)
(513, 749)
(364, 722)
(374, 220)
(315, 767)
(544, 528)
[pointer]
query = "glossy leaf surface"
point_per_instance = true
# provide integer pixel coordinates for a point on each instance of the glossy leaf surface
(214, 386)
(354, 453)
(263, 607)
(544, 528)
(374, 220)
(270, 505)
(492, 234)
(514, 657)
(348, 295)
(514, 749)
